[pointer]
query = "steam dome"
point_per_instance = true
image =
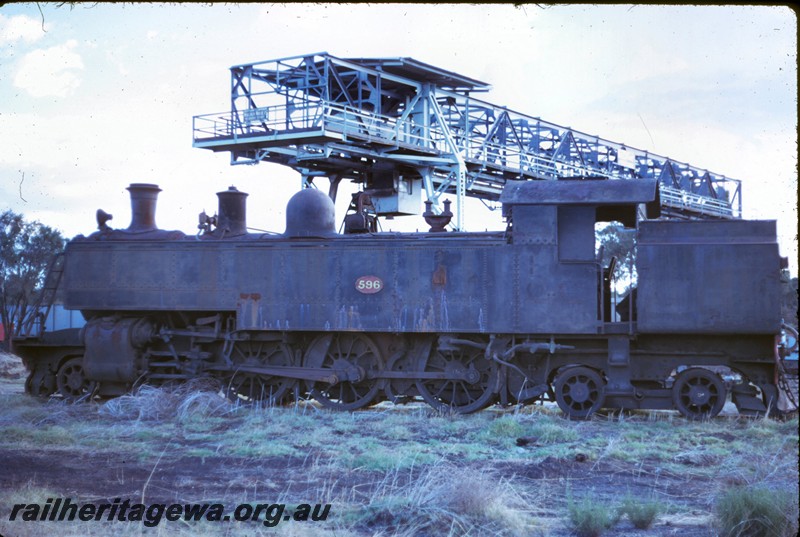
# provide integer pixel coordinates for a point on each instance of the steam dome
(310, 213)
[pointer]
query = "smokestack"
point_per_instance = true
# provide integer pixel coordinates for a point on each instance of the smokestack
(143, 207)
(232, 213)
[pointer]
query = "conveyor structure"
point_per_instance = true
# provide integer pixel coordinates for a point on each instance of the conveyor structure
(401, 128)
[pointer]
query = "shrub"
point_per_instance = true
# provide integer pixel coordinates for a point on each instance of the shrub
(641, 514)
(757, 512)
(590, 519)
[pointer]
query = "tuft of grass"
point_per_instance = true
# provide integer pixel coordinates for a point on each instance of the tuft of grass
(589, 518)
(788, 426)
(495, 432)
(641, 514)
(757, 512)
(397, 432)
(553, 432)
(28, 436)
(506, 426)
(447, 500)
(28, 493)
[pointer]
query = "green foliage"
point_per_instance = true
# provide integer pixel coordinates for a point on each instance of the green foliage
(619, 243)
(506, 427)
(641, 514)
(757, 512)
(550, 431)
(590, 518)
(28, 436)
(26, 250)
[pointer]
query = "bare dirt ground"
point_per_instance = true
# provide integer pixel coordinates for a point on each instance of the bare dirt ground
(392, 470)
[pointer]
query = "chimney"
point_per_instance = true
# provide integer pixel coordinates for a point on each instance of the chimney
(232, 213)
(143, 207)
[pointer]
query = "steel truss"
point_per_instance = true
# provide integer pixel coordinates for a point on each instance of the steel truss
(391, 124)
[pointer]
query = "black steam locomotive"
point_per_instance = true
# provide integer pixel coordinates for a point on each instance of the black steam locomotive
(461, 320)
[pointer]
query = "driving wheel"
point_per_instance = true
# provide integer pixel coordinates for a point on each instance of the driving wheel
(247, 387)
(350, 356)
(471, 383)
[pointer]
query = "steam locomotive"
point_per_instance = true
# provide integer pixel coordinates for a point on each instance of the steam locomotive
(461, 320)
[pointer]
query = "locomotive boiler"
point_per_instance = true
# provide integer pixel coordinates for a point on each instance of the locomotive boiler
(460, 320)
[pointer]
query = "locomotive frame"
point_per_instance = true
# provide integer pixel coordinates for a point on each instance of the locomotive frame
(460, 320)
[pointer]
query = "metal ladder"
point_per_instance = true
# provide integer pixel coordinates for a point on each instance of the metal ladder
(32, 325)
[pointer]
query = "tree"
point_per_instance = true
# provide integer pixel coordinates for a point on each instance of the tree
(616, 241)
(26, 251)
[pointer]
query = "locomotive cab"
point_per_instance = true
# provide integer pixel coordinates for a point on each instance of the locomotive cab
(563, 214)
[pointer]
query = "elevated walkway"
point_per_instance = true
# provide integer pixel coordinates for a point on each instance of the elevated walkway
(399, 126)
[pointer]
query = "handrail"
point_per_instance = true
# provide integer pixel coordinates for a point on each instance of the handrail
(354, 123)
(431, 123)
(542, 159)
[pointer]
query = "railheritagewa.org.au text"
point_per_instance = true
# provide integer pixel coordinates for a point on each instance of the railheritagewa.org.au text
(151, 515)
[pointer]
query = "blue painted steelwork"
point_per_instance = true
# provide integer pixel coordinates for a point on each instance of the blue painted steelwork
(393, 124)
(51, 319)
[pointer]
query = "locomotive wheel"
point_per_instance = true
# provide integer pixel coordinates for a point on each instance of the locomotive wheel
(71, 381)
(462, 396)
(579, 392)
(248, 388)
(399, 391)
(349, 352)
(39, 385)
(699, 393)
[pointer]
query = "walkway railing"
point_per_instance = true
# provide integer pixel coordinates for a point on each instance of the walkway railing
(306, 103)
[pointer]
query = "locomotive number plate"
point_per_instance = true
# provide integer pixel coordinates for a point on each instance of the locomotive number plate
(369, 285)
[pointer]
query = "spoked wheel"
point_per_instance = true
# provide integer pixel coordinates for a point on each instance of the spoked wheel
(471, 386)
(580, 392)
(248, 388)
(71, 381)
(699, 393)
(352, 356)
(400, 390)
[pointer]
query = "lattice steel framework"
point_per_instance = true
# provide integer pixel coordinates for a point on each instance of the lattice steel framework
(396, 124)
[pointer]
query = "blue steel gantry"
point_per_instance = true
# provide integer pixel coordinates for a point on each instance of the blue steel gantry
(400, 127)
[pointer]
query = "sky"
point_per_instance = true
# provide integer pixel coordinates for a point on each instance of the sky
(94, 97)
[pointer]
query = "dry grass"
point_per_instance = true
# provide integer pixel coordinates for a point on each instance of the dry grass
(11, 367)
(185, 401)
(443, 499)
(392, 471)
